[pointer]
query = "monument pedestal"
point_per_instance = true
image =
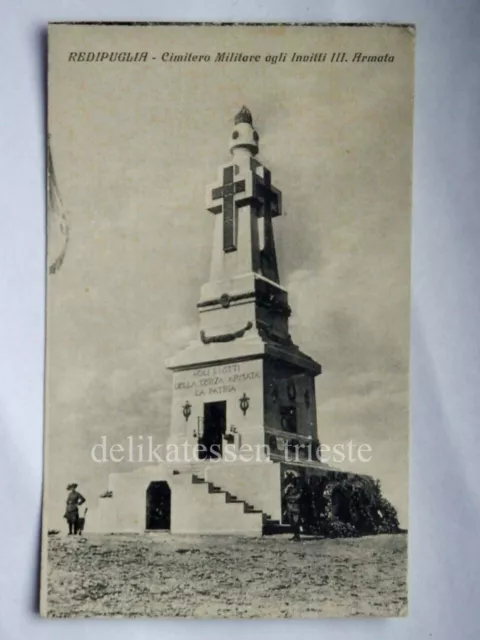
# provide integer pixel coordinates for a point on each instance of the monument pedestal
(199, 498)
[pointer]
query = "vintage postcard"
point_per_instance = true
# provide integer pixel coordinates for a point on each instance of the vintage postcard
(226, 429)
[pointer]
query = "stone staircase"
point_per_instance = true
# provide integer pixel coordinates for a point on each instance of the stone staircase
(269, 526)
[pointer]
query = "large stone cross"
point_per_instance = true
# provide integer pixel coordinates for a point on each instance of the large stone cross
(270, 196)
(227, 193)
(253, 186)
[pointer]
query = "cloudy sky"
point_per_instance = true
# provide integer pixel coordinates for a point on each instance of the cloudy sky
(134, 147)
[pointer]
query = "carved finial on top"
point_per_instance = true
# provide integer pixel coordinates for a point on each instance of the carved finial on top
(244, 138)
(244, 115)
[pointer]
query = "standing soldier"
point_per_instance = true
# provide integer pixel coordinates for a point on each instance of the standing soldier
(74, 500)
(293, 496)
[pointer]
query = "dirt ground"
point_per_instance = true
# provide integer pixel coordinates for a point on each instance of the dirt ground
(225, 577)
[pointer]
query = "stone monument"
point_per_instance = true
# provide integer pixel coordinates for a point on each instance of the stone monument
(243, 380)
(243, 410)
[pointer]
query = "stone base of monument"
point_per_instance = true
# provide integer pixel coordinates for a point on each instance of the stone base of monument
(240, 498)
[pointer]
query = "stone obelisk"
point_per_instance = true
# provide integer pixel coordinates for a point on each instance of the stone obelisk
(243, 378)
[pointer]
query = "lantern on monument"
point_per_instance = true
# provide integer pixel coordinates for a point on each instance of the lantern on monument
(244, 403)
(187, 410)
(244, 135)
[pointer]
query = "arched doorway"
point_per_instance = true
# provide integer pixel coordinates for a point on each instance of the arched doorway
(158, 505)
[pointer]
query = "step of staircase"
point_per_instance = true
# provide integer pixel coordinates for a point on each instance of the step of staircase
(275, 528)
(270, 526)
(229, 498)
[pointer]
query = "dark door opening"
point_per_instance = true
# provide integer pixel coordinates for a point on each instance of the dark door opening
(158, 506)
(214, 422)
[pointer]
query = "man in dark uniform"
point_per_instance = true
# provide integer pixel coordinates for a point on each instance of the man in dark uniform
(293, 496)
(74, 500)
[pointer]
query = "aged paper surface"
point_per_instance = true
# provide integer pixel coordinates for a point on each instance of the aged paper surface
(227, 320)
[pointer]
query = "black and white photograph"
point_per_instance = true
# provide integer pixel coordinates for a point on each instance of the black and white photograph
(228, 320)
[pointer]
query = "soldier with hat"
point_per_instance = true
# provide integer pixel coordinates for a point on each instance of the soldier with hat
(293, 496)
(74, 500)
